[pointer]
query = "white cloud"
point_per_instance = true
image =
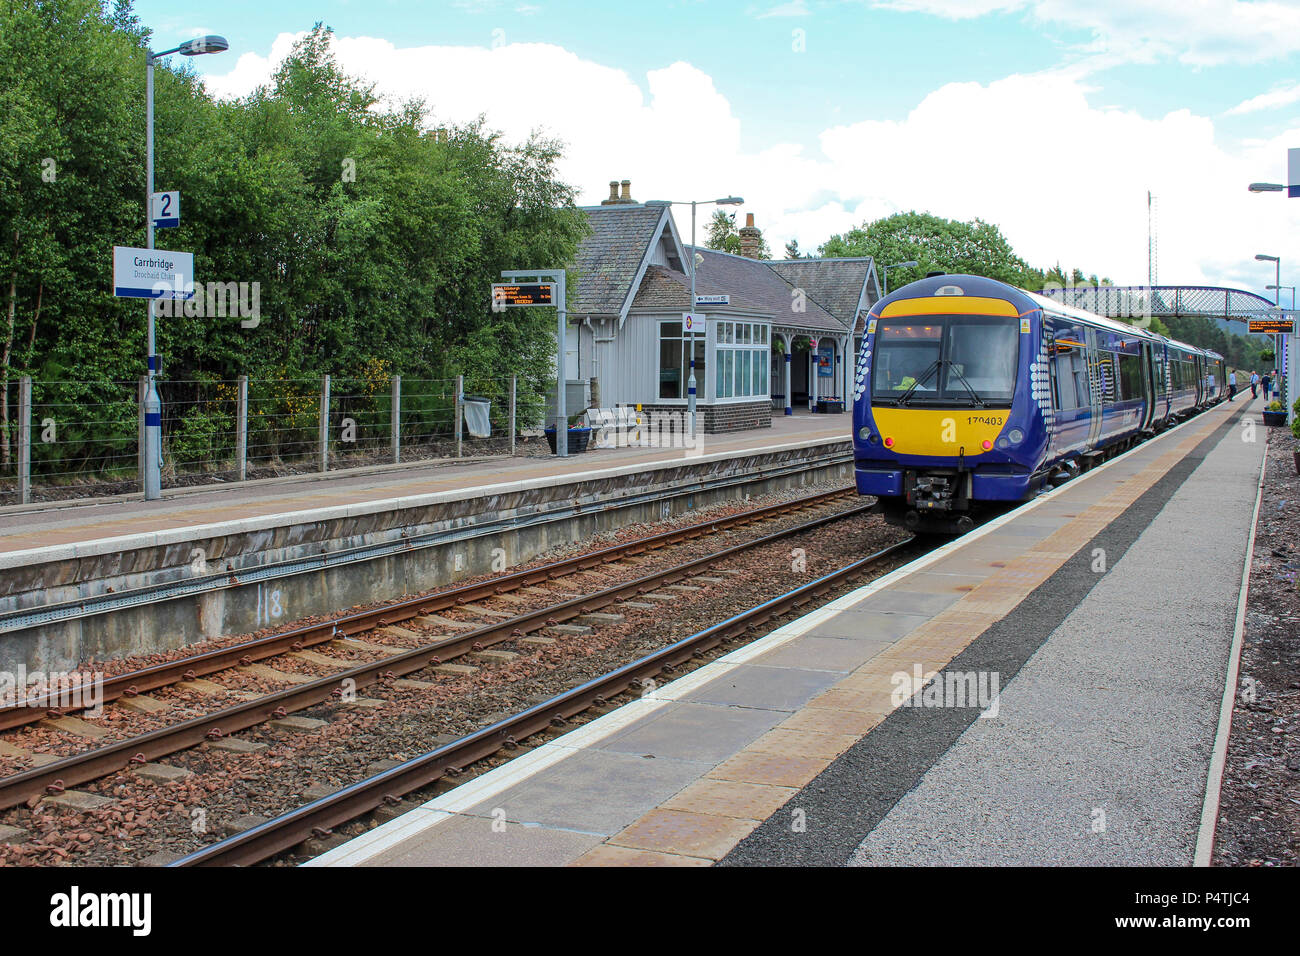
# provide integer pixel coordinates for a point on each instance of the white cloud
(1065, 180)
(795, 8)
(1272, 100)
(1195, 32)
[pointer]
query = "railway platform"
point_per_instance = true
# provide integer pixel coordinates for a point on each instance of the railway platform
(101, 580)
(1048, 689)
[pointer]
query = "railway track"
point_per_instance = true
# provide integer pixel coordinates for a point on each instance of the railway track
(30, 785)
(318, 817)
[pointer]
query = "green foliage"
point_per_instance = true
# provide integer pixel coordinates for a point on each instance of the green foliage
(724, 236)
(372, 234)
(936, 245)
(1275, 407)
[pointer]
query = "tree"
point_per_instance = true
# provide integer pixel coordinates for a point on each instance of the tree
(725, 237)
(722, 232)
(792, 249)
(372, 233)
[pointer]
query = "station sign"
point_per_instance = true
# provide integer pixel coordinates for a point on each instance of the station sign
(1272, 326)
(712, 300)
(166, 211)
(508, 295)
(152, 274)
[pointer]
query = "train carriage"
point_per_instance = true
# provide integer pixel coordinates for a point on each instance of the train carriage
(970, 391)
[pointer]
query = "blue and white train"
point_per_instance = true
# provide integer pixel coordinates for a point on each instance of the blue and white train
(971, 391)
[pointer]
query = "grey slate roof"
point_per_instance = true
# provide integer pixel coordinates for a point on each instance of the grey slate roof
(610, 258)
(835, 284)
(670, 291)
(763, 285)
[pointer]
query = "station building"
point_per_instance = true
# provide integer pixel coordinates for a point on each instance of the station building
(775, 336)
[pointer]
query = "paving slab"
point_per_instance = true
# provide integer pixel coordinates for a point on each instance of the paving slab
(769, 688)
(488, 841)
(594, 791)
(706, 733)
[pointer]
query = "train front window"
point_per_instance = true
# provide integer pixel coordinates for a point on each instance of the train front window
(946, 360)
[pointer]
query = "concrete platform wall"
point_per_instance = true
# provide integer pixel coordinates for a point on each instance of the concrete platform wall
(446, 539)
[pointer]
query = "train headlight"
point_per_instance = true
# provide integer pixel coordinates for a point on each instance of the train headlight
(1015, 436)
(864, 433)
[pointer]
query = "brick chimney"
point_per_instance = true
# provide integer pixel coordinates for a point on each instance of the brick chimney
(615, 199)
(751, 238)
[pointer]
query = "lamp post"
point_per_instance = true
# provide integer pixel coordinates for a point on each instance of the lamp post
(1277, 294)
(897, 265)
(1289, 363)
(152, 403)
(690, 383)
(1280, 288)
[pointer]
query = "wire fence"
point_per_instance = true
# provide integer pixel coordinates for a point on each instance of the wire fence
(82, 438)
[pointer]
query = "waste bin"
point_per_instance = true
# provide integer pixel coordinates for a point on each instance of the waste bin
(477, 416)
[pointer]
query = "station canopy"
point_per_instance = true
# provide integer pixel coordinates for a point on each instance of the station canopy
(1167, 301)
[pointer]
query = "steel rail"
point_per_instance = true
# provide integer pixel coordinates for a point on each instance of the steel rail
(93, 764)
(136, 682)
(290, 829)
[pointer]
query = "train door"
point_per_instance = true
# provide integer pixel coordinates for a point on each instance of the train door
(1096, 387)
(1148, 385)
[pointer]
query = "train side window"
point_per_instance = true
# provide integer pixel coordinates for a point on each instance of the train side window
(1130, 376)
(1069, 366)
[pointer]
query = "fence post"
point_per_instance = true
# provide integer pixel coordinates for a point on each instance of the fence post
(142, 390)
(460, 387)
(514, 382)
(397, 419)
(325, 423)
(241, 426)
(25, 439)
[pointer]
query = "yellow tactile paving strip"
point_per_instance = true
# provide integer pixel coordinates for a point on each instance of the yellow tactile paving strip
(88, 521)
(702, 823)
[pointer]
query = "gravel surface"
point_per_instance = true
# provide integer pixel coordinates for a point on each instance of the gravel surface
(1259, 811)
(148, 819)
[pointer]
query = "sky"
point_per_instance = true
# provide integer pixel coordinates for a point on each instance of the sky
(1051, 118)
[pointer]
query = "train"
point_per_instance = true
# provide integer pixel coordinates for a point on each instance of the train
(971, 395)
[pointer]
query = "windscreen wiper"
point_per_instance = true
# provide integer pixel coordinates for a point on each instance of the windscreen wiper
(952, 366)
(925, 377)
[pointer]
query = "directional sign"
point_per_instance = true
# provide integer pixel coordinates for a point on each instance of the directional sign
(1271, 326)
(532, 293)
(712, 300)
(692, 323)
(166, 210)
(152, 274)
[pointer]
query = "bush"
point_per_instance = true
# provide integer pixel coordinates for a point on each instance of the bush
(1275, 407)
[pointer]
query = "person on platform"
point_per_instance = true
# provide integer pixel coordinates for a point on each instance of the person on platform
(1254, 384)
(1232, 385)
(1267, 382)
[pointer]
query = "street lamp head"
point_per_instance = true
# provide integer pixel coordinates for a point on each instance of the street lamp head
(1266, 187)
(910, 263)
(200, 45)
(730, 201)
(1262, 258)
